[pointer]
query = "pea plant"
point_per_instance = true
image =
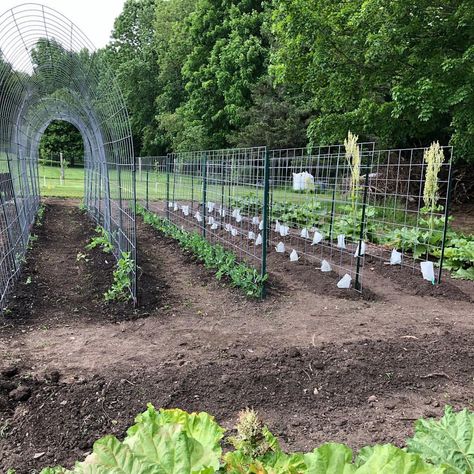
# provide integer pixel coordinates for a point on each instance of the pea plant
(214, 257)
(120, 288)
(102, 240)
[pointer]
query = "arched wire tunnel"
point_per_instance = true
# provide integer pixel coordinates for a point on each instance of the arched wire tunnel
(50, 71)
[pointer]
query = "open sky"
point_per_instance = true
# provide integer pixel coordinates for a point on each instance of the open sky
(94, 17)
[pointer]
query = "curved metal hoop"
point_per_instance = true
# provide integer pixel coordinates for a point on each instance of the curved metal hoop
(49, 70)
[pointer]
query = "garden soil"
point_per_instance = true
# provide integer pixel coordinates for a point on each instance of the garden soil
(318, 364)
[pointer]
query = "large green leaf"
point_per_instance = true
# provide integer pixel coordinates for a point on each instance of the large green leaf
(330, 458)
(449, 440)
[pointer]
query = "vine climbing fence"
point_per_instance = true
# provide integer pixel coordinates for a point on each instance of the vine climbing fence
(49, 71)
(306, 204)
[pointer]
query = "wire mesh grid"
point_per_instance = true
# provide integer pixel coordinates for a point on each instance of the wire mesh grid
(313, 212)
(202, 191)
(48, 71)
(405, 226)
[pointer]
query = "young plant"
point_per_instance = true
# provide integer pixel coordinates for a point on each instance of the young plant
(102, 240)
(120, 289)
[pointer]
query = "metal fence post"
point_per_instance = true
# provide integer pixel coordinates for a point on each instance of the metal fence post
(147, 192)
(358, 285)
(168, 166)
(204, 192)
(266, 189)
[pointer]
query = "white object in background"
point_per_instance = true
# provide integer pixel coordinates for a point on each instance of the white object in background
(260, 226)
(235, 213)
(214, 226)
(277, 226)
(238, 218)
(198, 217)
(341, 241)
(362, 250)
(170, 204)
(325, 267)
(427, 270)
(305, 233)
(280, 248)
(255, 220)
(396, 258)
(211, 206)
(303, 181)
(228, 227)
(345, 281)
(222, 212)
(210, 220)
(259, 240)
(185, 210)
(317, 238)
(251, 235)
(234, 232)
(284, 229)
(294, 256)
(175, 207)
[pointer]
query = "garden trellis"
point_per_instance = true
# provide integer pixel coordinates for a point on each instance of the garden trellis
(49, 71)
(320, 207)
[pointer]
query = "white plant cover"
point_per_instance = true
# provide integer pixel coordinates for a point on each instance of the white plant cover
(318, 237)
(235, 213)
(222, 212)
(259, 240)
(170, 204)
(284, 229)
(260, 226)
(198, 217)
(277, 226)
(280, 248)
(211, 206)
(185, 210)
(175, 207)
(238, 218)
(345, 281)
(303, 181)
(396, 258)
(251, 235)
(228, 227)
(341, 241)
(362, 250)
(427, 271)
(214, 226)
(325, 266)
(210, 220)
(234, 232)
(255, 220)
(294, 256)
(304, 233)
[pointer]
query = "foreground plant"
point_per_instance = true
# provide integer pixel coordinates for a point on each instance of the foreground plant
(120, 289)
(213, 256)
(102, 240)
(176, 442)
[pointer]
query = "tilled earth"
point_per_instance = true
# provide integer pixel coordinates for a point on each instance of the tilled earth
(317, 367)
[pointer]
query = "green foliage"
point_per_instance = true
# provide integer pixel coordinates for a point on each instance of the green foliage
(399, 71)
(61, 137)
(449, 441)
(213, 256)
(102, 240)
(120, 288)
(173, 441)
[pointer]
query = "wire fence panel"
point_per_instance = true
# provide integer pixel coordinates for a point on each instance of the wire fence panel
(405, 228)
(331, 205)
(49, 71)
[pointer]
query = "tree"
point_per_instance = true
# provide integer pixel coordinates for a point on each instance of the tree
(62, 137)
(400, 72)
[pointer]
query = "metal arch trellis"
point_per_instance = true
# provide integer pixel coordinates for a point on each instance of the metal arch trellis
(50, 71)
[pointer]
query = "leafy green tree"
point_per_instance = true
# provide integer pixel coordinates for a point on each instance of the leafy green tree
(62, 137)
(400, 72)
(133, 56)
